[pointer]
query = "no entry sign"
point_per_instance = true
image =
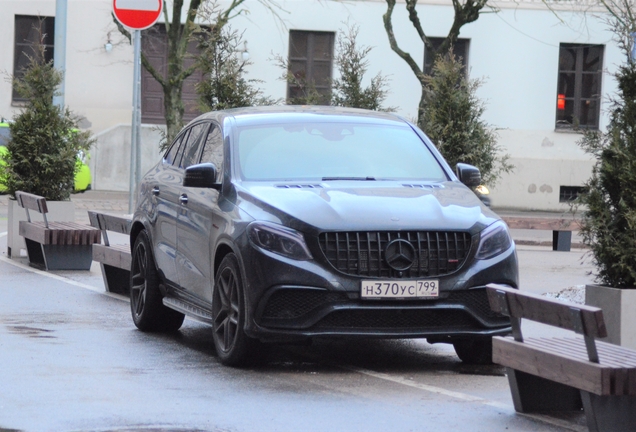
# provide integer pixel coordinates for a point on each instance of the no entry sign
(137, 14)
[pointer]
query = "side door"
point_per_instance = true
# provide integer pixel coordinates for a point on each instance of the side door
(200, 222)
(164, 186)
(190, 268)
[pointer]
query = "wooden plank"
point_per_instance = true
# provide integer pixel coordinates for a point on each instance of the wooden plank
(115, 255)
(31, 202)
(111, 222)
(33, 231)
(539, 223)
(547, 311)
(59, 233)
(588, 376)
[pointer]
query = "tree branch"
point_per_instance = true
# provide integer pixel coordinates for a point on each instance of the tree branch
(388, 26)
(144, 60)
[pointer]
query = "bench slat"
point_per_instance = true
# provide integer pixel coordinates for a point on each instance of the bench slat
(114, 255)
(110, 222)
(622, 374)
(59, 233)
(538, 223)
(547, 311)
(607, 354)
(591, 377)
(31, 202)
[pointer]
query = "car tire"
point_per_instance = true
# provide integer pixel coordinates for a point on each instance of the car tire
(474, 351)
(148, 311)
(233, 346)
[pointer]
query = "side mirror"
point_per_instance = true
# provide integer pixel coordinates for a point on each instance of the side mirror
(201, 176)
(469, 175)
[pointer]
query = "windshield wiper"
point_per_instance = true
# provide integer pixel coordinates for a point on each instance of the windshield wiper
(349, 178)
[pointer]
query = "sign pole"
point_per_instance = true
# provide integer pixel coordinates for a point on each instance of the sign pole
(136, 15)
(135, 162)
(59, 54)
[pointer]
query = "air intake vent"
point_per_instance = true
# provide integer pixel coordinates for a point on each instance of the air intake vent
(423, 186)
(299, 186)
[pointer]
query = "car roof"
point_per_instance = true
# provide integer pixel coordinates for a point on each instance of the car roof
(268, 114)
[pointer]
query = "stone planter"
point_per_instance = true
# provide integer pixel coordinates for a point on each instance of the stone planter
(59, 211)
(619, 311)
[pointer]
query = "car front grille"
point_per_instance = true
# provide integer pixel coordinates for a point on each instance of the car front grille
(362, 253)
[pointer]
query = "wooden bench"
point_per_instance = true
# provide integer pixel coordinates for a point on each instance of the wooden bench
(561, 228)
(55, 245)
(565, 373)
(114, 259)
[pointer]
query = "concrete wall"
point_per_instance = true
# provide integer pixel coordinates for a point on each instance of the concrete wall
(515, 51)
(110, 157)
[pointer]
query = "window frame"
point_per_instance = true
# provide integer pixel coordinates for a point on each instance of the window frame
(23, 47)
(437, 41)
(310, 62)
(577, 99)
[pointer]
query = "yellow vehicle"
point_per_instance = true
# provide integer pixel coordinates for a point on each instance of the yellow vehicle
(82, 176)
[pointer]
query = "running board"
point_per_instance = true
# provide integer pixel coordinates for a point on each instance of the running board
(194, 312)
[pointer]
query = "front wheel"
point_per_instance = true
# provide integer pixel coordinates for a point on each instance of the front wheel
(148, 311)
(474, 351)
(233, 346)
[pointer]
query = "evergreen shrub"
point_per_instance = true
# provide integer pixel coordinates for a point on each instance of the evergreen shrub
(608, 225)
(41, 155)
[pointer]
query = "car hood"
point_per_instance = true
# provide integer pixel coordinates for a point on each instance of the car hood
(370, 205)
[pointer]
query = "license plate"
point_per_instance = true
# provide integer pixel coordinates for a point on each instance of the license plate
(399, 289)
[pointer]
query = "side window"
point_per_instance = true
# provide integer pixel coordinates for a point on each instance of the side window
(579, 87)
(213, 150)
(460, 49)
(192, 146)
(171, 156)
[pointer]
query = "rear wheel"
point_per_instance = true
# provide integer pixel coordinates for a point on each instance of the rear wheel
(148, 311)
(474, 351)
(233, 346)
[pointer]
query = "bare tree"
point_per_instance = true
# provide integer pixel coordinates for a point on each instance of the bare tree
(466, 11)
(179, 35)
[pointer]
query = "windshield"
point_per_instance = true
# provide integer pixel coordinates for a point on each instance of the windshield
(334, 151)
(4, 136)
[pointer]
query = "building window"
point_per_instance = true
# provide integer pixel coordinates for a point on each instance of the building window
(579, 89)
(570, 193)
(310, 61)
(460, 49)
(154, 45)
(29, 30)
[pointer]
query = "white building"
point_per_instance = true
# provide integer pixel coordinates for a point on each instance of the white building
(521, 51)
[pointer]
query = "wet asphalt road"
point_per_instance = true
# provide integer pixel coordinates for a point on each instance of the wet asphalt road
(71, 360)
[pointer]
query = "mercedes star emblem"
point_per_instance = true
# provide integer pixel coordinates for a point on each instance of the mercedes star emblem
(399, 254)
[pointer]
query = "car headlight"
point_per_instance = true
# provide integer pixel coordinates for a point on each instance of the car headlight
(494, 240)
(279, 239)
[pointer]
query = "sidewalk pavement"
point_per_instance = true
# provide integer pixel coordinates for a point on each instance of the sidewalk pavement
(117, 202)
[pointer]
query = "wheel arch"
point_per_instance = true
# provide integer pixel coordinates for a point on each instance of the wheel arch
(135, 229)
(222, 251)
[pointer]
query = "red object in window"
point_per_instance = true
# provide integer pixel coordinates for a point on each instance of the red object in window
(561, 102)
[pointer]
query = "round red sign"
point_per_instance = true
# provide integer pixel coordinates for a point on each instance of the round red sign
(137, 14)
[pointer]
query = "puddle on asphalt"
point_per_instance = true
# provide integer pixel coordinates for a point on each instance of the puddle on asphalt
(32, 332)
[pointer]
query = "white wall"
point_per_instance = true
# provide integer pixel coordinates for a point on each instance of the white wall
(98, 84)
(516, 52)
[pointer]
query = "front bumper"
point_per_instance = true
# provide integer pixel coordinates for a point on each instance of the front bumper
(301, 299)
